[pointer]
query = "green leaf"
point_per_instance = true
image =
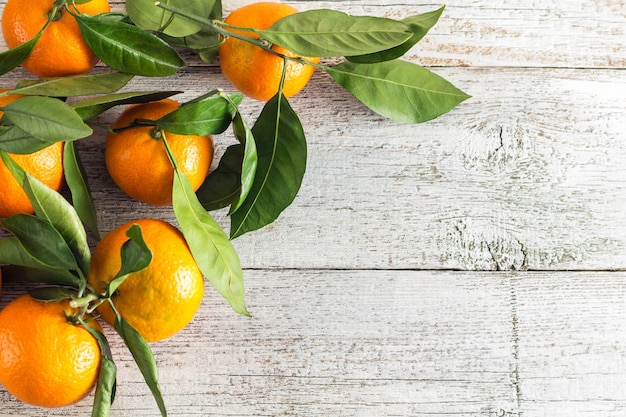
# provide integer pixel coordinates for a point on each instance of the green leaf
(107, 376)
(282, 152)
(150, 17)
(14, 57)
(41, 241)
(331, 33)
(48, 119)
(399, 90)
(222, 186)
(419, 24)
(249, 159)
(212, 250)
(51, 206)
(78, 85)
(23, 267)
(92, 106)
(79, 187)
(15, 140)
(206, 117)
(135, 256)
(52, 294)
(143, 357)
(127, 48)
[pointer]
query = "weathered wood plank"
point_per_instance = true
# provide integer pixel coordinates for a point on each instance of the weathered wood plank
(391, 343)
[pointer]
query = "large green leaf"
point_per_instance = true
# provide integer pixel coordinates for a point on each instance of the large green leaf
(205, 117)
(78, 184)
(419, 24)
(41, 241)
(146, 15)
(399, 90)
(90, 107)
(48, 119)
(127, 48)
(325, 32)
(282, 153)
(15, 140)
(22, 267)
(14, 57)
(78, 85)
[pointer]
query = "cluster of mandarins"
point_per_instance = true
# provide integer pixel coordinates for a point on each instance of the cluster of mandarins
(47, 358)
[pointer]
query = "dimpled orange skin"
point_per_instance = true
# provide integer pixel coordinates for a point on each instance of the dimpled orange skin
(138, 163)
(46, 165)
(45, 360)
(159, 300)
(61, 51)
(253, 71)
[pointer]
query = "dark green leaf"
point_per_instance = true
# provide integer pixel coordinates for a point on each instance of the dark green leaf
(143, 357)
(93, 106)
(206, 117)
(282, 152)
(135, 256)
(48, 119)
(150, 17)
(223, 185)
(14, 57)
(15, 140)
(249, 158)
(41, 241)
(107, 376)
(52, 294)
(127, 48)
(79, 187)
(78, 85)
(419, 24)
(212, 250)
(400, 90)
(22, 267)
(324, 32)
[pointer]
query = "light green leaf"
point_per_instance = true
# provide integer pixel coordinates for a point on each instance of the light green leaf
(78, 85)
(150, 17)
(79, 187)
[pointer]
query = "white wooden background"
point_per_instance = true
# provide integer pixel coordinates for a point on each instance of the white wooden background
(474, 265)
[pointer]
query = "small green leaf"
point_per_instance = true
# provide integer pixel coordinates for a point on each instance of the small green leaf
(47, 119)
(14, 57)
(41, 241)
(419, 24)
(78, 85)
(206, 117)
(127, 48)
(331, 33)
(22, 267)
(222, 186)
(249, 158)
(79, 187)
(150, 17)
(399, 90)
(92, 106)
(52, 294)
(282, 152)
(143, 357)
(135, 256)
(212, 250)
(107, 376)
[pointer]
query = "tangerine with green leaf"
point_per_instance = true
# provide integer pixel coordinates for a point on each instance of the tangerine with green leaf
(136, 159)
(61, 51)
(161, 299)
(46, 359)
(251, 69)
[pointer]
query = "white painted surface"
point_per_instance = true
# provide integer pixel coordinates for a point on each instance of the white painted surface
(383, 290)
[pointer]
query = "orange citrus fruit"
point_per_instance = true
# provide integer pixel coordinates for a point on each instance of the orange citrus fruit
(61, 50)
(136, 157)
(45, 360)
(46, 165)
(161, 299)
(254, 71)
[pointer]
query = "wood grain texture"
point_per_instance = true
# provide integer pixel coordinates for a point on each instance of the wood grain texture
(470, 266)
